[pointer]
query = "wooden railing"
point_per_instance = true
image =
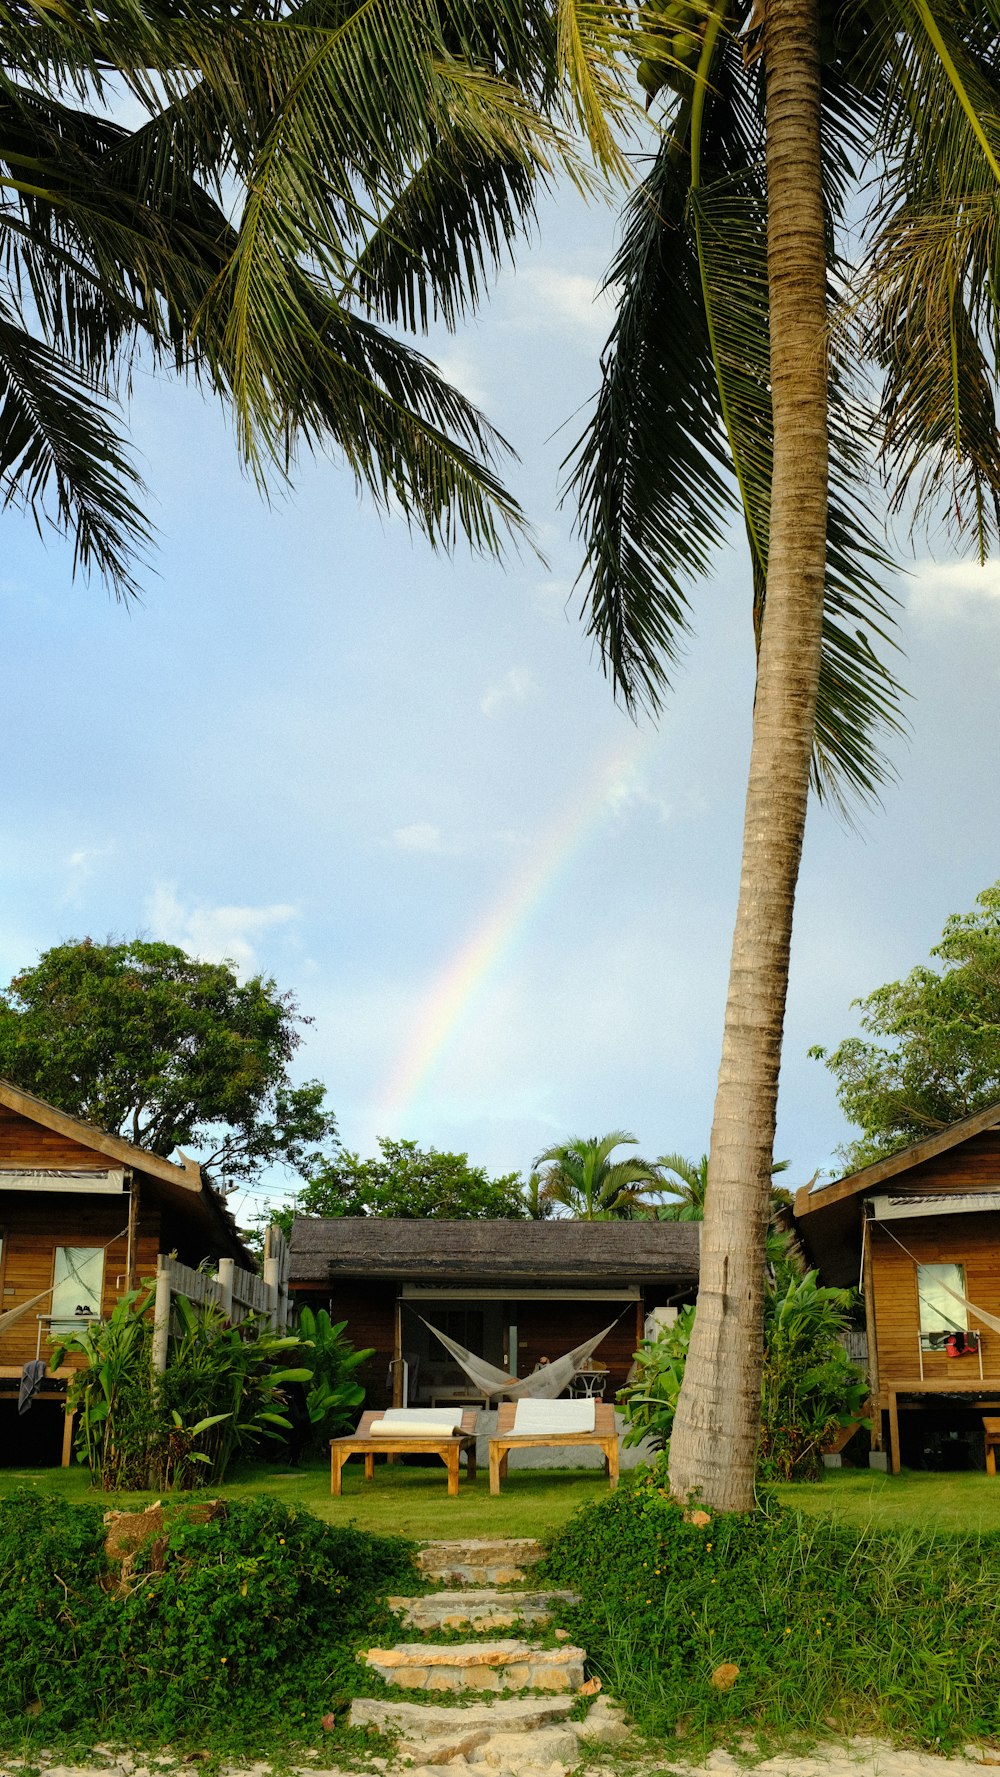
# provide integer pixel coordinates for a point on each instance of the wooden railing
(238, 1293)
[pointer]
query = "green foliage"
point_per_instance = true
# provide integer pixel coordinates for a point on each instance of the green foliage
(118, 1420)
(581, 1176)
(333, 1394)
(649, 1401)
(940, 1059)
(246, 1637)
(223, 1390)
(407, 1181)
(809, 1385)
(891, 1633)
(151, 1044)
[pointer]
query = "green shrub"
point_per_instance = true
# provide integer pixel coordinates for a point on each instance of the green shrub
(334, 1393)
(246, 1637)
(809, 1386)
(875, 1631)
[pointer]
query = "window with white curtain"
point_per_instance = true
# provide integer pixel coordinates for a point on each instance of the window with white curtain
(940, 1314)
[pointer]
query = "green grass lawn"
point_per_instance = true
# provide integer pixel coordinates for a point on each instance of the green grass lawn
(917, 1498)
(406, 1501)
(414, 1502)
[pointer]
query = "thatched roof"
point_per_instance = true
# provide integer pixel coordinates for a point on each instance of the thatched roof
(556, 1252)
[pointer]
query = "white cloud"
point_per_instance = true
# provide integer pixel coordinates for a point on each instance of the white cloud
(516, 686)
(552, 595)
(214, 933)
(80, 867)
(941, 591)
(419, 836)
(545, 298)
(623, 797)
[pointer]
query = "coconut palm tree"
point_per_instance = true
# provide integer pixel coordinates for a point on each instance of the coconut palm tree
(301, 180)
(581, 1176)
(752, 309)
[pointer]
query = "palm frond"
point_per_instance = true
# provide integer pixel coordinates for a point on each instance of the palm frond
(61, 458)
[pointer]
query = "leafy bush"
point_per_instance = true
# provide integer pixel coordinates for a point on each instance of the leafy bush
(889, 1632)
(334, 1394)
(222, 1391)
(243, 1630)
(809, 1385)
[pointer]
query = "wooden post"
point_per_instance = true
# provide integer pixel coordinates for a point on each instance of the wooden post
(226, 1277)
(69, 1420)
(272, 1275)
(893, 1432)
(161, 1314)
(132, 1239)
(397, 1355)
(868, 1281)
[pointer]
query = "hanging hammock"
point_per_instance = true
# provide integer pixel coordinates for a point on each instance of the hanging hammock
(543, 1384)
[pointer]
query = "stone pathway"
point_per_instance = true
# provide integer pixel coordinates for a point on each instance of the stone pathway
(530, 1736)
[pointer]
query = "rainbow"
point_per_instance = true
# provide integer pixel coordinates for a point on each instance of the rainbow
(461, 984)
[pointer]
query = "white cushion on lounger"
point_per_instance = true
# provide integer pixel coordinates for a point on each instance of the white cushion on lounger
(437, 1416)
(427, 1428)
(546, 1419)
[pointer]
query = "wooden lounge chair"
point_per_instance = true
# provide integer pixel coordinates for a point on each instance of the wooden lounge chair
(604, 1437)
(364, 1442)
(992, 1429)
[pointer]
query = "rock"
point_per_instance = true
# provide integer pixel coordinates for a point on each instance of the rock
(508, 1665)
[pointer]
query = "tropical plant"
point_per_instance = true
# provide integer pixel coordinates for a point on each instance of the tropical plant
(117, 1415)
(581, 1177)
(648, 1400)
(223, 1391)
(300, 184)
(753, 308)
(939, 1059)
(333, 1394)
(809, 1385)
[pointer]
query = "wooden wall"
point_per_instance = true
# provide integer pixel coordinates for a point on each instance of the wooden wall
(32, 1226)
(969, 1240)
(972, 1166)
(26, 1144)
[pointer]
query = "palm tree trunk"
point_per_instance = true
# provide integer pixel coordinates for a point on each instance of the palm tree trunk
(718, 1416)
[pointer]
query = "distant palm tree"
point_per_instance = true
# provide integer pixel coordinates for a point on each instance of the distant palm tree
(687, 1187)
(538, 1204)
(581, 1176)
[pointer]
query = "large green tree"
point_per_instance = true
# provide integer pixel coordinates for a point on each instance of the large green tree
(305, 180)
(580, 1176)
(406, 1180)
(809, 294)
(149, 1043)
(939, 1058)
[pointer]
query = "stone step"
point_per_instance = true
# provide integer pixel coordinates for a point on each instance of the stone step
(514, 1734)
(509, 1665)
(479, 1561)
(485, 1608)
(435, 1736)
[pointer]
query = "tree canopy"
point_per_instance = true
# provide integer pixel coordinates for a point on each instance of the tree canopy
(149, 1043)
(408, 1181)
(940, 1054)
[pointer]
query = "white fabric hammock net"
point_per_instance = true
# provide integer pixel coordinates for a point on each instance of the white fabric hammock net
(543, 1385)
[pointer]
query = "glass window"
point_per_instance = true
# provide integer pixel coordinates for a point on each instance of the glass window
(79, 1285)
(940, 1314)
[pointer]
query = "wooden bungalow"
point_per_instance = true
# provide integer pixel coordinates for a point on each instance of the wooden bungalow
(919, 1233)
(512, 1292)
(83, 1218)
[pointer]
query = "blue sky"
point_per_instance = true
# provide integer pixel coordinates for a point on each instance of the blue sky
(399, 784)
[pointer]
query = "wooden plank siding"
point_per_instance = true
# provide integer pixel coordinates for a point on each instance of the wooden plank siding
(28, 1145)
(972, 1241)
(32, 1228)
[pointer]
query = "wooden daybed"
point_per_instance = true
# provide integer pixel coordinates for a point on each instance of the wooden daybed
(365, 1443)
(604, 1437)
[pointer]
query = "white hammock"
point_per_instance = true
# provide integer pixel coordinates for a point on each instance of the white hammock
(12, 1314)
(543, 1384)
